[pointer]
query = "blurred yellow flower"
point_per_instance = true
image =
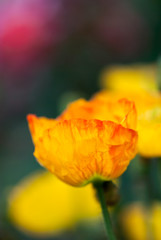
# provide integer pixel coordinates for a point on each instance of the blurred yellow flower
(137, 83)
(149, 128)
(90, 140)
(139, 222)
(43, 205)
(130, 77)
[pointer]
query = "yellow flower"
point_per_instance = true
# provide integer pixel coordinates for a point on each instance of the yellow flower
(130, 77)
(148, 108)
(156, 220)
(141, 223)
(43, 205)
(90, 140)
(149, 128)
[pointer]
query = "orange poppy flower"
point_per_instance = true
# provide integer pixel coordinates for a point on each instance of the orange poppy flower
(90, 140)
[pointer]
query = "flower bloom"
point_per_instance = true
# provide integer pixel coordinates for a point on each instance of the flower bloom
(90, 140)
(147, 221)
(33, 207)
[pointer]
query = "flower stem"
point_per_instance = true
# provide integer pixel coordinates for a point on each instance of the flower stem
(107, 221)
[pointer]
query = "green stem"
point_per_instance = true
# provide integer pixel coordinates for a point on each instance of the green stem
(107, 221)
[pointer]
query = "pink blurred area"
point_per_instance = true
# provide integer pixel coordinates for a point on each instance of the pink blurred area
(30, 34)
(31, 31)
(28, 29)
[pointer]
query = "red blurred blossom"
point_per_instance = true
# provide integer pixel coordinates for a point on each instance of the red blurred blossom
(30, 34)
(28, 28)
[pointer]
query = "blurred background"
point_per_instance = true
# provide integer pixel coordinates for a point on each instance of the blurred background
(53, 52)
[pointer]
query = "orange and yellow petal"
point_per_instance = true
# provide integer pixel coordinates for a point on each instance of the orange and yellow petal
(78, 150)
(143, 101)
(148, 107)
(42, 205)
(38, 125)
(120, 111)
